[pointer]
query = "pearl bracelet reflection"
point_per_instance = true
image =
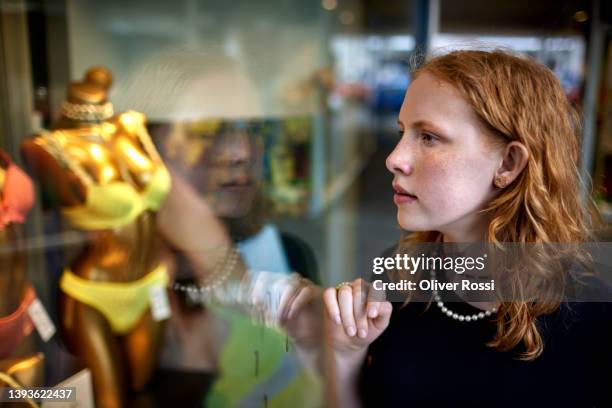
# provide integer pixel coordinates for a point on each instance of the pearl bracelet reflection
(216, 278)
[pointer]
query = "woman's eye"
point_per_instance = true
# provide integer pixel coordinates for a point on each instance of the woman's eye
(428, 138)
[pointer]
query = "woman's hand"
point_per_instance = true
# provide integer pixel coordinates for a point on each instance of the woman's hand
(358, 319)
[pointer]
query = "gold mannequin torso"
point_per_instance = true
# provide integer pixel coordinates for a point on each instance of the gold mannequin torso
(122, 254)
(128, 252)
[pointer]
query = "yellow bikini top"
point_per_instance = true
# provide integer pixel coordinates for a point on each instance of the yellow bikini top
(118, 202)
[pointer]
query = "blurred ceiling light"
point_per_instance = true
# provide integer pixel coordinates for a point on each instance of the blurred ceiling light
(347, 17)
(329, 4)
(581, 16)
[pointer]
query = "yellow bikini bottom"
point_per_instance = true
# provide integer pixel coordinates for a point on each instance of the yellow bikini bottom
(122, 303)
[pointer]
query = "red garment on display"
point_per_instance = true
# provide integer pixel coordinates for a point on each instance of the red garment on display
(17, 194)
(15, 327)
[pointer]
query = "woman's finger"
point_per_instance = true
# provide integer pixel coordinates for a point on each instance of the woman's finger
(258, 288)
(305, 295)
(330, 299)
(359, 303)
(345, 299)
(374, 299)
(384, 314)
(372, 309)
(287, 295)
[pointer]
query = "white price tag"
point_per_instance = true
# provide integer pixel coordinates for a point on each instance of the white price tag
(160, 307)
(42, 321)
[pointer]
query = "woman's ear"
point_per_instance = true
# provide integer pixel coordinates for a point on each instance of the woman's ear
(514, 160)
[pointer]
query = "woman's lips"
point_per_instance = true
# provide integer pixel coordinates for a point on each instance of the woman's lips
(237, 187)
(401, 196)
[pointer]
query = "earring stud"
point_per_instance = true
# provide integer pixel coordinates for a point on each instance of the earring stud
(500, 182)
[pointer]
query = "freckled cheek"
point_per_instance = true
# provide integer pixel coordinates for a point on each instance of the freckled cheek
(446, 185)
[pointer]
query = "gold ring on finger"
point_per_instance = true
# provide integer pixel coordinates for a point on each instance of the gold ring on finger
(341, 284)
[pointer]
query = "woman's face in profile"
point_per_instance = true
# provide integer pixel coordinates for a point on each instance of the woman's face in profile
(444, 161)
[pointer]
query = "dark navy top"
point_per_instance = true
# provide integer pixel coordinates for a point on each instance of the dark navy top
(425, 358)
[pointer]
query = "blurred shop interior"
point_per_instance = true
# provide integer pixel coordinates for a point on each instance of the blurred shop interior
(314, 85)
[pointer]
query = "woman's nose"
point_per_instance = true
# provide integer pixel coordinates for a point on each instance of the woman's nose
(236, 151)
(398, 162)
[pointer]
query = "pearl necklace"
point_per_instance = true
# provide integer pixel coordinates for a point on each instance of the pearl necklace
(457, 316)
(87, 112)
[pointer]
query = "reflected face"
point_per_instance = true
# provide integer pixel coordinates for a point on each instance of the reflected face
(444, 164)
(234, 167)
(226, 168)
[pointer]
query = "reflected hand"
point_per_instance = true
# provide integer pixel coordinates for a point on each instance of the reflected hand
(279, 296)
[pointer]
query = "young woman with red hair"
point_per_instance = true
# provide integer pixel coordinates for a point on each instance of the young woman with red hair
(488, 153)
